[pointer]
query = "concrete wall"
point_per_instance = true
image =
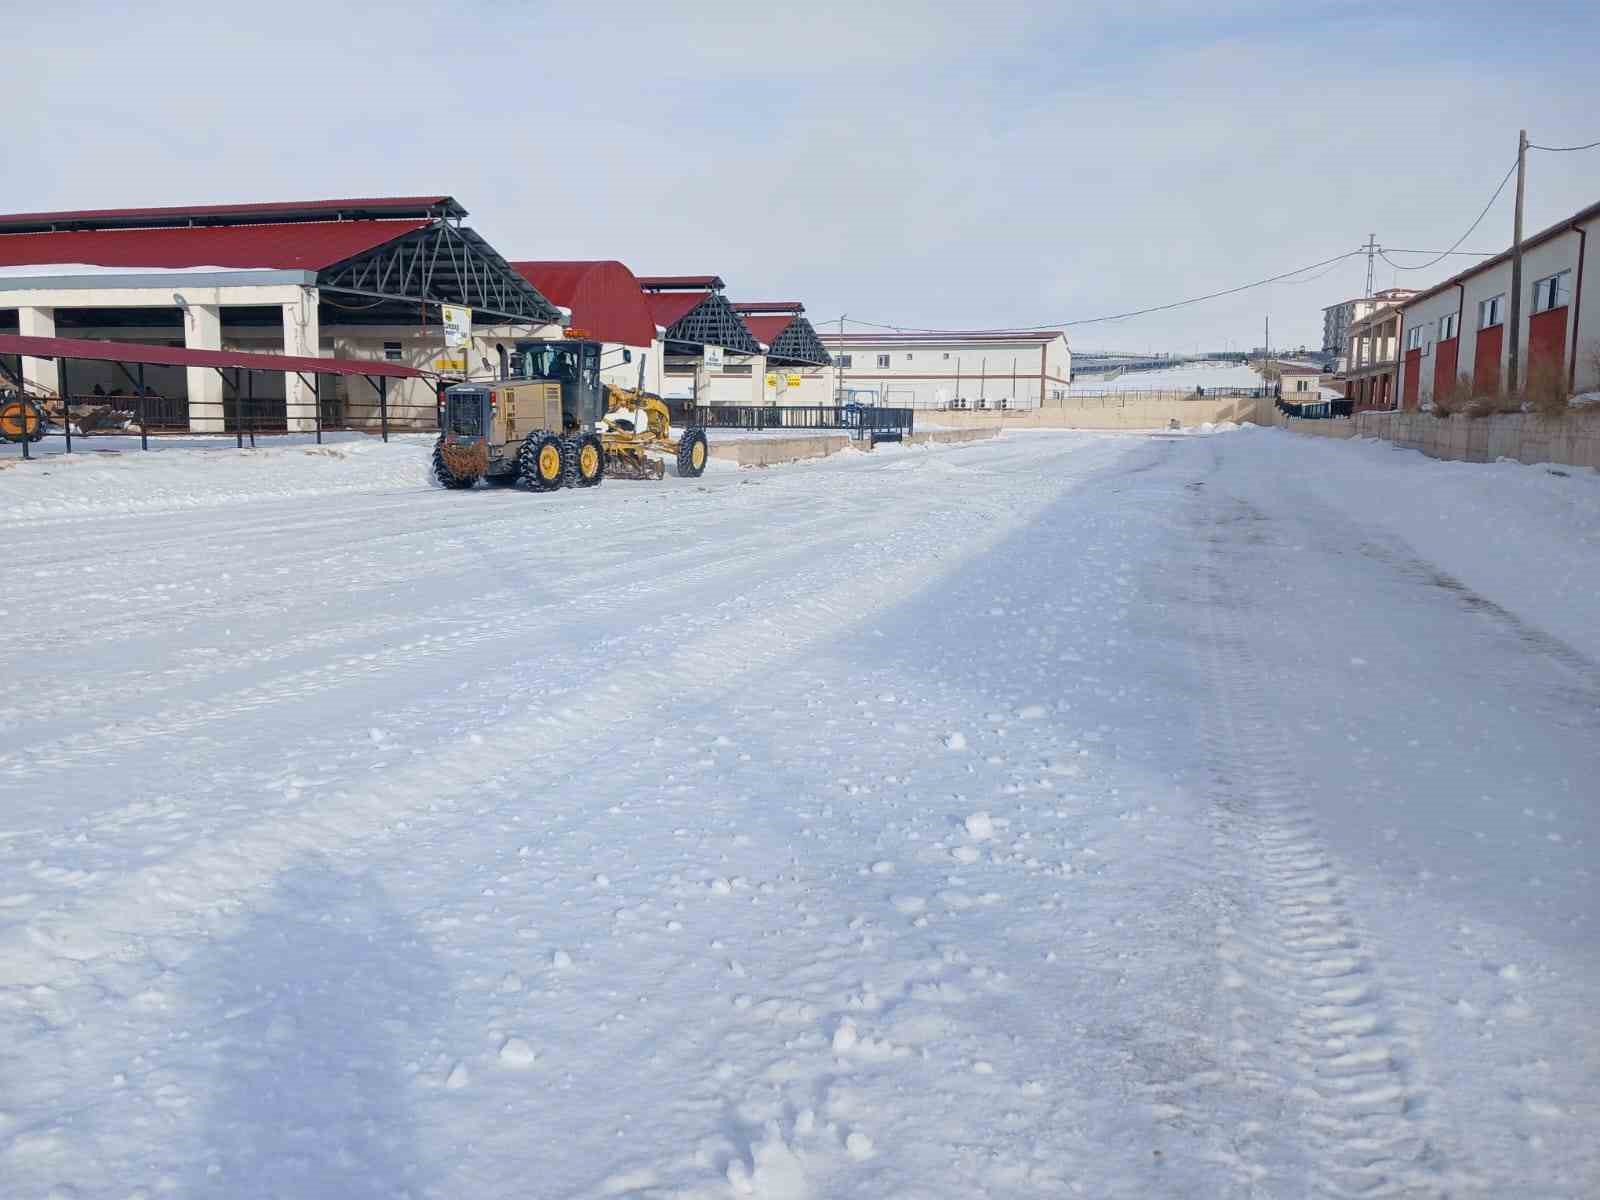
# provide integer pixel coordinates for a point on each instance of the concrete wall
(1573, 440)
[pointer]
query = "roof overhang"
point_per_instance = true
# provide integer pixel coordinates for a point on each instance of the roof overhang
(194, 216)
(11, 281)
(92, 350)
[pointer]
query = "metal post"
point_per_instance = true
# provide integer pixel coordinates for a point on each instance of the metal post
(1514, 356)
(383, 405)
(250, 396)
(66, 405)
(144, 417)
(316, 400)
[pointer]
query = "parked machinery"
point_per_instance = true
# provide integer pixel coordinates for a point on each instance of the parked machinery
(552, 423)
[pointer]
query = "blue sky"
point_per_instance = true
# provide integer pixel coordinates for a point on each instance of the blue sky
(929, 165)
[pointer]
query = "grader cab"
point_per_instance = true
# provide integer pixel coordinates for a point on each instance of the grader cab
(551, 423)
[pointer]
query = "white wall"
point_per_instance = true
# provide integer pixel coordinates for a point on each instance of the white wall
(931, 375)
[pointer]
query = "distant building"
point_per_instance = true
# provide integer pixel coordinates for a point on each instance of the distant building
(1337, 319)
(1371, 355)
(977, 370)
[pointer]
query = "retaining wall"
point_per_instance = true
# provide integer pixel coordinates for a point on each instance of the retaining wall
(1573, 440)
(1114, 412)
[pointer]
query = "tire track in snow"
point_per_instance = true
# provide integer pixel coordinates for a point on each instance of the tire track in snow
(1312, 1024)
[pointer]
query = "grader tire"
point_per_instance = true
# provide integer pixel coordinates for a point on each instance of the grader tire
(588, 461)
(21, 420)
(444, 476)
(692, 453)
(541, 462)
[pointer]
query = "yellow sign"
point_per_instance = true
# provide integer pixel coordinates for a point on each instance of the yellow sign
(450, 364)
(772, 379)
(794, 381)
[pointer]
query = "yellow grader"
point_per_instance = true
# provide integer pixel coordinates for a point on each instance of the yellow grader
(553, 423)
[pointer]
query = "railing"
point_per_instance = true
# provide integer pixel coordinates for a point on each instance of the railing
(859, 419)
(1090, 398)
(1316, 410)
(241, 417)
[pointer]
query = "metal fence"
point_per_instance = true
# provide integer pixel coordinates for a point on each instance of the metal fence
(860, 420)
(1089, 398)
(240, 414)
(1316, 410)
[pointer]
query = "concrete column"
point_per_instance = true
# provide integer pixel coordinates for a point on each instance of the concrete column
(202, 330)
(41, 372)
(302, 337)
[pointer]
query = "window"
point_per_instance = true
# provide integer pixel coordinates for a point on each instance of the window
(1552, 292)
(908, 357)
(1302, 385)
(844, 362)
(1447, 326)
(883, 361)
(1414, 338)
(391, 351)
(947, 354)
(1492, 312)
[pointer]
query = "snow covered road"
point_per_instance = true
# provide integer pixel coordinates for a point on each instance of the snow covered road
(1067, 814)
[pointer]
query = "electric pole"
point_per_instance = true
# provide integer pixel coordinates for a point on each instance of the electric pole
(1372, 247)
(1513, 356)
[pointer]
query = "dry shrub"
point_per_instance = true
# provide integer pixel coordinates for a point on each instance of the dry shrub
(1546, 390)
(1453, 396)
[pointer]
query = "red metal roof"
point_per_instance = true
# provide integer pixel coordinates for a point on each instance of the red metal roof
(307, 246)
(235, 214)
(667, 309)
(703, 283)
(179, 356)
(768, 329)
(604, 297)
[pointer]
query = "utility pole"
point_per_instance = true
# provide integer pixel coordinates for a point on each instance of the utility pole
(1513, 357)
(1372, 248)
(838, 367)
(1266, 340)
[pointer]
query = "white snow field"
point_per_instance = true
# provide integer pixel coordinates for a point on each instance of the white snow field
(1065, 814)
(1185, 378)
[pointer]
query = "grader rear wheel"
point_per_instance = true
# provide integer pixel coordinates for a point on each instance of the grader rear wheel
(444, 476)
(540, 462)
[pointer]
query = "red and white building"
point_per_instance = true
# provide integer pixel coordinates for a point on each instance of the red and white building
(1459, 327)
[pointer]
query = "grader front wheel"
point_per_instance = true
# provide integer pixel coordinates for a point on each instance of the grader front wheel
(589, 461)
(692, 453)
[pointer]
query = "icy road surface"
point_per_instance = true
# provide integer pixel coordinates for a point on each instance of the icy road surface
(1063, 815)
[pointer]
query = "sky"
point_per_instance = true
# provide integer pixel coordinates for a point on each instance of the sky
(917, 165)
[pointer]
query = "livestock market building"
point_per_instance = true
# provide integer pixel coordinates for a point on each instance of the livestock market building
(361, 279)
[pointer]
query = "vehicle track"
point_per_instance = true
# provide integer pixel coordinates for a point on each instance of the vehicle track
(1311, 1021)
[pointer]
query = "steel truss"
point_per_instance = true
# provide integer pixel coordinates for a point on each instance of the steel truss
(442, 263)
(713, 322)
(799, 343)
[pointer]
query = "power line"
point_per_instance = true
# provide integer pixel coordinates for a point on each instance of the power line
(1457, 243)
(1138, 312)
(1472, 253)
(1564, 149)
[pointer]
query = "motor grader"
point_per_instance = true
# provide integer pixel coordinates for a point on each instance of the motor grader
(551, 422)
